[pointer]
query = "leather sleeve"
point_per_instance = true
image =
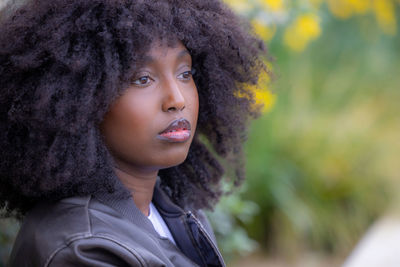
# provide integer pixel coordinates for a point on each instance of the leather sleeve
(95, 251)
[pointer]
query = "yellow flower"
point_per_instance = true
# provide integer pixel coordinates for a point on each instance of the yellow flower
(340, 8)
(263, 31)
(303, 30)
(308, 25)
(264, 98)
(360, 6)
(385, 15)
(273, 5)
(346, 8)
(262, 95)
(384, 11)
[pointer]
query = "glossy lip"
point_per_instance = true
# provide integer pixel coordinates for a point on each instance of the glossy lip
(177, 131)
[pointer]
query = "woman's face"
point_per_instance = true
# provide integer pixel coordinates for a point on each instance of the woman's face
(151, 126)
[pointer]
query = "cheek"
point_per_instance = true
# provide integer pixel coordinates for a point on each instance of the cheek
(126, 126)
(196, 108)
(192, 102)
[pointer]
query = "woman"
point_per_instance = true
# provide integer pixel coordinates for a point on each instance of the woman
(116, 119)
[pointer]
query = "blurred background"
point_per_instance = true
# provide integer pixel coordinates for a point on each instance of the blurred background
(322, 159)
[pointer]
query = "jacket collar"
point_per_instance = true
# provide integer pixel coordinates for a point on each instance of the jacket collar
(124, 204)
(188, 233)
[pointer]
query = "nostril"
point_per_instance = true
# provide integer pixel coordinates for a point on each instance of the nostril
(176, 108)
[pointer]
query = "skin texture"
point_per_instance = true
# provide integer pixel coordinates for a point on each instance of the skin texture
(162, 91)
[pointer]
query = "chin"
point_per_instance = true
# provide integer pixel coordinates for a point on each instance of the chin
(175, 160)
(176, 163)
(175, 156)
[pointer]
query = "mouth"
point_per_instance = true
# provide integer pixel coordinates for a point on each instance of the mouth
(177, 132)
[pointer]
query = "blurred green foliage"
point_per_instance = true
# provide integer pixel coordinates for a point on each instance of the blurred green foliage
(228, 220)
(322, 164)
(8, 230)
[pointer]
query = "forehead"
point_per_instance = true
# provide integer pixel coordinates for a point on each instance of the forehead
(159, 50)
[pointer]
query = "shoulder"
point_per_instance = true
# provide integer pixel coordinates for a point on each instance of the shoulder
(51, 225)
(61, 232)
(95, 251)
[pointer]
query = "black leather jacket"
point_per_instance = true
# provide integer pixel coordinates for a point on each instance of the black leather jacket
(104, 230)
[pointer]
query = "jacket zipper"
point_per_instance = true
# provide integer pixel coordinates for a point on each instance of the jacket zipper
(200, 226)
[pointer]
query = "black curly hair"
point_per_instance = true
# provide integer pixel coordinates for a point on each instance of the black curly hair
(63, 62)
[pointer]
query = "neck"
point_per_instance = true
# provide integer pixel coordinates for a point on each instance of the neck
(141, 186)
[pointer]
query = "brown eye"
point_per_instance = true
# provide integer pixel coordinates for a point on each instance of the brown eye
(187, 75)
(142, 81)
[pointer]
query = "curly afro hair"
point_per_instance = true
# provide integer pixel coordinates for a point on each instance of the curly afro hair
(63, 62)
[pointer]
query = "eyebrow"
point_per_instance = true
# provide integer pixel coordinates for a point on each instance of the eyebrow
(183, 53)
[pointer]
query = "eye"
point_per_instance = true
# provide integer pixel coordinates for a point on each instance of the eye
(187, 75)
(142, 81)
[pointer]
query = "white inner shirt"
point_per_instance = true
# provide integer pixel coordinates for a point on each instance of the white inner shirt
(158, 222)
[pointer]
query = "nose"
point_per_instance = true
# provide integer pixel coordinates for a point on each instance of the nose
(173, 99)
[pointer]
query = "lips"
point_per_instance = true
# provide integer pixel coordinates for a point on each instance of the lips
(178, 131)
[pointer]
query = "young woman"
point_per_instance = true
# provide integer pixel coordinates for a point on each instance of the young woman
(116, 117)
